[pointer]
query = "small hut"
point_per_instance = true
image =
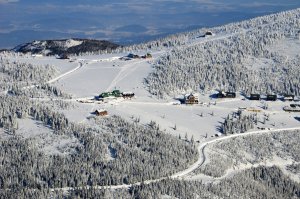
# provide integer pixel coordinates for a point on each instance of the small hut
(287, 97)
(271, 97)
(64, 56)
(254, 96)
(127, 95)
(191, 99)
(222, 94)
(230, 95)
(101, 112)
(147, 56)
(133, 56)
(209, 33)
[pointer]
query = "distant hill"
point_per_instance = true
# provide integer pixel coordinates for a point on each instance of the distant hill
(132, 28)
(68, 46)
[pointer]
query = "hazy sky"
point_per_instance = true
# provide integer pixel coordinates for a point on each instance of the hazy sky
(122, 21)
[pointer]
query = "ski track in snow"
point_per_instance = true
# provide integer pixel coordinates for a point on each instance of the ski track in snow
(80, 65)
(124, 72)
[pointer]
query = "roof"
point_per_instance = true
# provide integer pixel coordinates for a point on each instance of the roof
(192, 94)
(100, 110)
(128, 93)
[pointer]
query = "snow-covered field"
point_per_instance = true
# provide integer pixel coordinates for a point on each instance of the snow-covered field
(97, 74)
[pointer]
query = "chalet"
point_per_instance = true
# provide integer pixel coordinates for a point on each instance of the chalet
(222, 94)
(147, 56)
(133, 56)
(37, 55)
(116, 93)
(127, 95)
(254, 96)
(191, 99)
(105, 95)
(271, 97)
(125, 58)
(287, 97)
(209, 33)
(295, 105)
(63, 56)
(292, 108)
(101, 112)
(113, 94)
(230, 95)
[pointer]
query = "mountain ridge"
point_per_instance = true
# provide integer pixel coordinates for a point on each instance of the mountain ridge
(65, 46)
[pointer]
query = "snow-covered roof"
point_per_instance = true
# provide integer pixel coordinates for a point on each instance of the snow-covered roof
(128, 93)
(192, 94)
(100, 110)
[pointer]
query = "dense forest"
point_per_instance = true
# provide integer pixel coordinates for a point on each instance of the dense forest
(222, 63)
(239, 122)
(14, 75)
(105, 151)
(260, 182)
(111, 152)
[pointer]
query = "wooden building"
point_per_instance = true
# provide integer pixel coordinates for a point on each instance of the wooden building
(271, 97)
(191, 99)
(254, 96)
(133, 56)
(63, 56)
(287, 97)
(101, 112)
(222, 94)
(292, 108)
(147, 56)
(230, 95)
(128, 95)
(209, 33)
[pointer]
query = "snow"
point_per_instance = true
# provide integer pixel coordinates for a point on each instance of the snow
(44, 137)
(71, 43)
(255, 63)
(90, 75)
(289, 47)
(61, 65)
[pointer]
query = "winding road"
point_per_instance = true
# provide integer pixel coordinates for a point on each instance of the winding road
(184, 174)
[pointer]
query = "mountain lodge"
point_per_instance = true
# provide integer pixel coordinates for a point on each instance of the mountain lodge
(191, 98)
(101, 112)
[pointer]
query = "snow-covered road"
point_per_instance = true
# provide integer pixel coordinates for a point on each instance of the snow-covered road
(183, 174)
(80, 64)
(201, 148)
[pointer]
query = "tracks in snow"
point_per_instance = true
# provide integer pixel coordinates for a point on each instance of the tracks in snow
(124, 72)
(201, 148)
(80, 65)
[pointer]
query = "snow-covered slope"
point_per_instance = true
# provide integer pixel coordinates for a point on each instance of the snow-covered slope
(222, 61)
